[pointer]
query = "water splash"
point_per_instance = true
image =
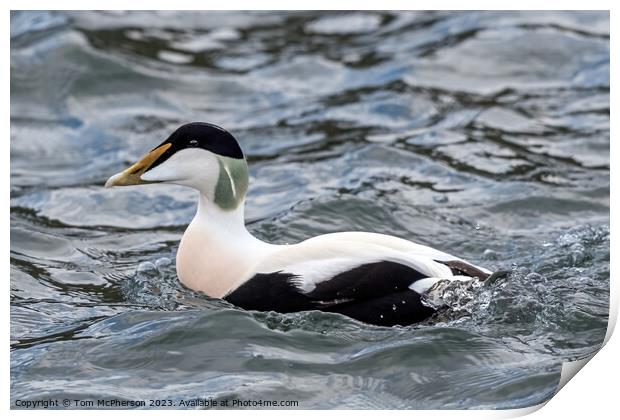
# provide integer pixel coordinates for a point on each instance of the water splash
(538, 303)
(457, 296)
(153, 285)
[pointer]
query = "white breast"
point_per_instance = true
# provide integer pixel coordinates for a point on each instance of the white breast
(206, 266)
(217, 253)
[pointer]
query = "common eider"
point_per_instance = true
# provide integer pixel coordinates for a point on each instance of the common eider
(375, 278)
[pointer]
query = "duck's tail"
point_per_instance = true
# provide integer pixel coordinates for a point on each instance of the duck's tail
(499, 274)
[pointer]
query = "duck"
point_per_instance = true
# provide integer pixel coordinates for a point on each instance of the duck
(371, 277)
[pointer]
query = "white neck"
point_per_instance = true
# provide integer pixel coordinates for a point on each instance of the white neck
(230, 224)
(217, 252)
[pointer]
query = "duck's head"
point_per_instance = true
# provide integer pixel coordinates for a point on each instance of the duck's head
(198, 155)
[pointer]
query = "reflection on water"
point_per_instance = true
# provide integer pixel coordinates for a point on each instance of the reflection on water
(483, 134)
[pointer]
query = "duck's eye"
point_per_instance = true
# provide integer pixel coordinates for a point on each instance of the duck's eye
(193, 143)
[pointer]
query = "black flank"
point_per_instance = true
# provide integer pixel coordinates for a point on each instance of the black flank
(400, 308)
(375, 293)
(270, 292)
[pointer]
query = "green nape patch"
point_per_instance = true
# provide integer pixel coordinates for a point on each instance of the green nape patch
(232, 183)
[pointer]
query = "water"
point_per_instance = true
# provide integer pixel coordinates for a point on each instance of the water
(485, 135)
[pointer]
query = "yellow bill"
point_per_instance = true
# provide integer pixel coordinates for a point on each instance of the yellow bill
(131, 175)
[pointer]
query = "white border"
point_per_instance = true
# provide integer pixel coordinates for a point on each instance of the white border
(594, 393)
